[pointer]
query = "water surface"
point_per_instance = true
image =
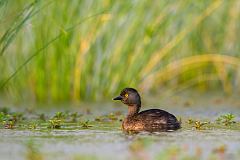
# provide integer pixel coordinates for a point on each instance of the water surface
(105, 139)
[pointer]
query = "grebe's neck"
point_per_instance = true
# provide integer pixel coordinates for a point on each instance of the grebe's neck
(133, 109)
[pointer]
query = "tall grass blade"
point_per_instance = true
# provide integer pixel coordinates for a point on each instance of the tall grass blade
(157, 56)
(46, 46)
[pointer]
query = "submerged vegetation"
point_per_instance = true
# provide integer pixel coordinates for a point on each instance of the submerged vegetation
(64, 120)
(85, 50)
(60, 120)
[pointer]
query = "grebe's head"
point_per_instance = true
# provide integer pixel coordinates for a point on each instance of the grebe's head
(129, 96)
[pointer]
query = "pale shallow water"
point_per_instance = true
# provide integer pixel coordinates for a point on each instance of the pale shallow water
(67, 144)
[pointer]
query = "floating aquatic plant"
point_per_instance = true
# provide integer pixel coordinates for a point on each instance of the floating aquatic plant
(9, 125)
(59, 115)
(55, 123)
(226, 119)
(74, 117)
(32, 126)
(7, 120)
(42, 117)
(86, 124)
(190, 121)
(198, 125)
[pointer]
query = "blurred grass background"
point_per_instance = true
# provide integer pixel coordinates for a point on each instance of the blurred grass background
(81, 50)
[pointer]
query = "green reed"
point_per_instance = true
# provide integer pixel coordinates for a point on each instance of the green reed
(89, 50)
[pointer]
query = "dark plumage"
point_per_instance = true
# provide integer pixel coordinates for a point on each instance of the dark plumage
(149, 120)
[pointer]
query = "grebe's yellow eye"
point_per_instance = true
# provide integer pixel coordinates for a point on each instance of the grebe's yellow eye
(126, 95)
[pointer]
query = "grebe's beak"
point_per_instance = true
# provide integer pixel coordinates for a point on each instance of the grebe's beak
(118, 98)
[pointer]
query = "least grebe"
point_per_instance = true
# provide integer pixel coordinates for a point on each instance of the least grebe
(151, 120)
